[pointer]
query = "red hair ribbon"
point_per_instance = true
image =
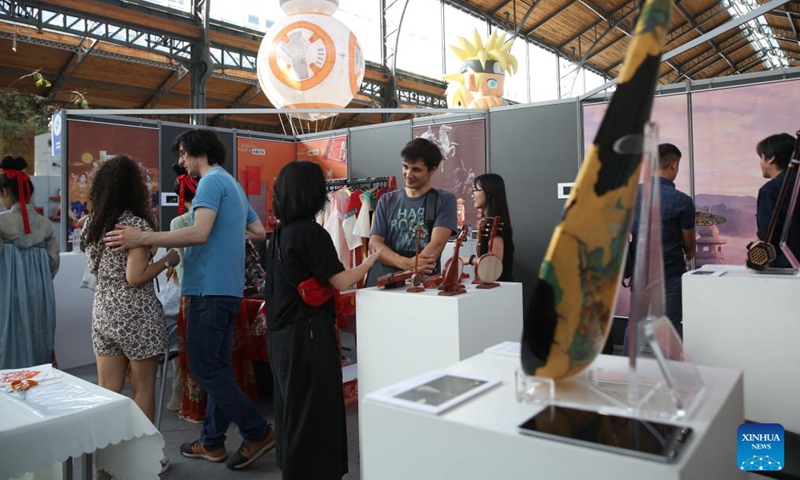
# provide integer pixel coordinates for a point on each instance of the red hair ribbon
(185, 181)
(23, 187)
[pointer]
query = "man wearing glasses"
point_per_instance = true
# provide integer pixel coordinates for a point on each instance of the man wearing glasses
(399, 214)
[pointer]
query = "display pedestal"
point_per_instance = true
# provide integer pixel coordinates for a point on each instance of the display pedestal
(478, 439)
(736, 318)
(404, 334)
(73, 343)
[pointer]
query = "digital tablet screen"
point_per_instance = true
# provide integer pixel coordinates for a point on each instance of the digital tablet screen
(640, 438)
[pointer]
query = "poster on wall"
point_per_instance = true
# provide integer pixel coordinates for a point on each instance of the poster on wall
(89, 144)
(259, 162)
(463, 146)
(330, 153)
(670, 113)
(728, 124)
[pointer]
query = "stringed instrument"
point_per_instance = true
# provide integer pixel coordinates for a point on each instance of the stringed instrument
(489, 266)
(570, 314)
(451, 278)
(416, 277)
(761, 254)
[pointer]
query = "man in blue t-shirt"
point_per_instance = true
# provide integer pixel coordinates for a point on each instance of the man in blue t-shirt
(213, 281)
(399, 214)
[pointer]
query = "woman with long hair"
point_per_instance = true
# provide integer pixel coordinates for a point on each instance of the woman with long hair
(301, 338)
(28, 262)
(489, 195)
(128, 328)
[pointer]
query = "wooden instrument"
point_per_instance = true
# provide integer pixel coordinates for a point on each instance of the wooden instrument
(451, 283)
(416, 277)
(489, 266)
(761, 254)
(570, 313)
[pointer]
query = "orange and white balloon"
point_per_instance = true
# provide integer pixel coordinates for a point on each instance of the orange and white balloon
(310, 59)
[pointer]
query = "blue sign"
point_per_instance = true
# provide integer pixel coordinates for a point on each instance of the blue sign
(760, 447)
(55, 134)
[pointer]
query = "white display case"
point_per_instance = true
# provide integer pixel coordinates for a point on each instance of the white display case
(478, 439)
(402, 334)
(736, 318)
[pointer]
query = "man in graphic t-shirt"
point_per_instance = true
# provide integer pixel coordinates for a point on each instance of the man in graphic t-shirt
(399, 214)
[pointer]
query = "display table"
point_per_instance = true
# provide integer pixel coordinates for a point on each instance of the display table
(112, 426)
(478, 439)
(403, 334)
(736, 318)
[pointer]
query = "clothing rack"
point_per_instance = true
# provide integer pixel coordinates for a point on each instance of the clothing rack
(368, 182)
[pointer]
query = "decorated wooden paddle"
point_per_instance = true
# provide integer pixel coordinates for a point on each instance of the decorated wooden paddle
(570, 314)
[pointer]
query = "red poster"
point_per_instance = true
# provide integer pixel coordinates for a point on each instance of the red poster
(329, 153)
(259, 162)
(463, 146)
(89, 144)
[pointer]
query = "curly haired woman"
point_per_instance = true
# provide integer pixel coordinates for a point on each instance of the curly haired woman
(128, 327)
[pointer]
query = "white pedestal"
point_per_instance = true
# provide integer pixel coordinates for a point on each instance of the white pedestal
(403, 334)
(479, 440)
(73, 313)
(736, 318)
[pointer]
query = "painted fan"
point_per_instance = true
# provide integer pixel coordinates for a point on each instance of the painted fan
(570, 314)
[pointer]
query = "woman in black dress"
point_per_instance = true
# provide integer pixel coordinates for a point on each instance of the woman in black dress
(303, 350)
(489, 195)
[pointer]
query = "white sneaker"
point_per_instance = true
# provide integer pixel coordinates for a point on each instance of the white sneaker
(164, 465)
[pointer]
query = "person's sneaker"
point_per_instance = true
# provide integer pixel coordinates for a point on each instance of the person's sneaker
(164, 465)
(195, 450)
(250, 452)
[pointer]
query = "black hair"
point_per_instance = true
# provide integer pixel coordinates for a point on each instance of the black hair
(424, 149)
(118, 186)
(779, 146)
(668, 153)
(299, 192)
(201, 141)
(188, 194)
(13, 163)
(494, 191)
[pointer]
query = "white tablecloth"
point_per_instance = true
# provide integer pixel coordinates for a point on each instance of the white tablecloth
(36, 432)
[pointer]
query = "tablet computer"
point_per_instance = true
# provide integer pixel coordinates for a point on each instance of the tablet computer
(629, 436)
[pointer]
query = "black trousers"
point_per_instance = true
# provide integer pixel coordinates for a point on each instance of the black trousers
(309, 405)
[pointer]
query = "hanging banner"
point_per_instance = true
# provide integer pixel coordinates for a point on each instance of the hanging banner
(89, 144)
(463, 146)
(329, 153)
(258, 163)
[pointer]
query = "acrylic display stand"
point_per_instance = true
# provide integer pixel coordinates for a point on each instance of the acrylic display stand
(660, 382)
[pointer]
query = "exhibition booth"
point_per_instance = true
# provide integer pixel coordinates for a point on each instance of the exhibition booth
(537, 149)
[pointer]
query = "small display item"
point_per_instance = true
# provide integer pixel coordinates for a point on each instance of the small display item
(451, 278)
(433, 392)
(489, 266)
(629, 436)
(23, 385)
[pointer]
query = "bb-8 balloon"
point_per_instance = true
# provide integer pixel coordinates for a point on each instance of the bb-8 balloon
(310, 59)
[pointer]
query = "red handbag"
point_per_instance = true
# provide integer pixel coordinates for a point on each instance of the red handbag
(311, 290)
(315, 293)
